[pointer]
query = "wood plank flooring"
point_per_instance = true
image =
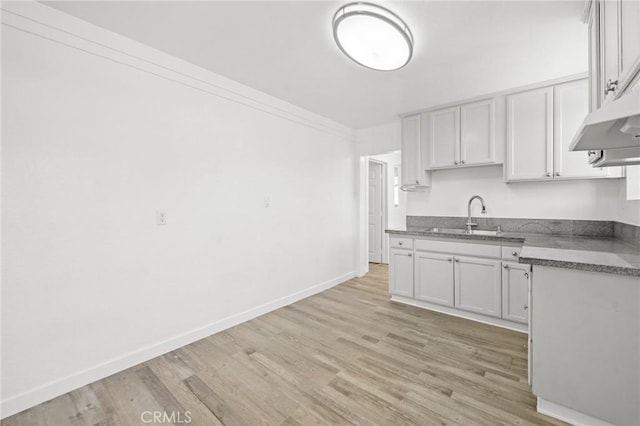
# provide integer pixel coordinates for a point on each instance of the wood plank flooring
(345, 356)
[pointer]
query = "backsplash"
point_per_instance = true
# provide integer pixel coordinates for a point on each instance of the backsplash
(589, 228)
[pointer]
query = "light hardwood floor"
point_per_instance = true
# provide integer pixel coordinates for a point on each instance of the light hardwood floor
(345, 356)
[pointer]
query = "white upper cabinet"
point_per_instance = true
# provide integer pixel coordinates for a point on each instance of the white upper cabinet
(477, 133)
(530, 135)
(541, 124)
(462, 135)
(413, 154)
(614, 37)
(444, 137)
(570, 107)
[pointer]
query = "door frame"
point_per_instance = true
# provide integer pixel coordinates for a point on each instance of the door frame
(384, 257)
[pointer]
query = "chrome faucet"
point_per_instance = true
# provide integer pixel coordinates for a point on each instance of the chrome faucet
(484, 211)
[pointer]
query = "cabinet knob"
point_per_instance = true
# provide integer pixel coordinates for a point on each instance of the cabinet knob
(557, 173)
(513, 253)
(611, 86)
(409, 255)
(526, 306)
(417, 181)
(450, 259)
(526, 275)
(455, 162)
(456, 260)
(400, 244)
(548, 174)
(462, 162)
(505, 266)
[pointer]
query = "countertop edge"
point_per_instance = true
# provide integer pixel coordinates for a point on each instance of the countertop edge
(591, 267)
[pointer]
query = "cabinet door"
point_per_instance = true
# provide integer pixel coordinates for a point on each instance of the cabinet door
(515, 292)
(595, 89)
(477, 134)
(434, 278)
(444, 137)
(401, 272)
(530, 135)
(609, 46)
(570, 107)
(629, 35)
(478, 285)
(410, 151)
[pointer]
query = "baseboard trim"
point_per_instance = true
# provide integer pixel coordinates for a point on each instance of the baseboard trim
(40, 394)
(498, 322)
(568, 415)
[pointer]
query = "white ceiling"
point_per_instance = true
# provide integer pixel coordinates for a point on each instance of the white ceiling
(286, 49)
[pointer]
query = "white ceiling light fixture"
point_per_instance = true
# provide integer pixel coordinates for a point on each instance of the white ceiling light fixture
(373, 36)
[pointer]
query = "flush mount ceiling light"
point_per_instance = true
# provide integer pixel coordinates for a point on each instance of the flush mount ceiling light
(372, 36)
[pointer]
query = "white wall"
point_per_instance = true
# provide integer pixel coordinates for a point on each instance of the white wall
(92, 147)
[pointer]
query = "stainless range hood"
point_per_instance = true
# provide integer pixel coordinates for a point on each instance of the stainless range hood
(615, 129)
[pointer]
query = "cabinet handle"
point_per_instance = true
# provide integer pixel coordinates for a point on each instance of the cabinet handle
(505, 266)
(548, 174)
(513, 253)
(611, 86)
(525, 306)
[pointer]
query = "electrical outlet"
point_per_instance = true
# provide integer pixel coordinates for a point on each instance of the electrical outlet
(161, 217)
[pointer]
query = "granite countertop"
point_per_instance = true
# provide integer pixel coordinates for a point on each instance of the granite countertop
(598, 254)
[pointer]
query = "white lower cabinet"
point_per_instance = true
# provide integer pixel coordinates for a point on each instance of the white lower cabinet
(401, 272)
(515, 292)
(477, 285)
(480, 281)
(433, 278)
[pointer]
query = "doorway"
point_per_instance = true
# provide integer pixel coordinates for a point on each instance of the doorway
(376, 210)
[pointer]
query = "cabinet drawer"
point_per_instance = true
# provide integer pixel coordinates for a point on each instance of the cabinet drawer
(469, 249)
(511, 253)
(398, 242)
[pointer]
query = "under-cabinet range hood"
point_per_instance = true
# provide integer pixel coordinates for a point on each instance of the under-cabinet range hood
(615, 128)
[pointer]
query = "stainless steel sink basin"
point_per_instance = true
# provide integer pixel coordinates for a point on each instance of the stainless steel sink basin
(462, 231)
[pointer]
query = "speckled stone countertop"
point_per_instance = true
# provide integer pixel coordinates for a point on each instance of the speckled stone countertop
(598, 254)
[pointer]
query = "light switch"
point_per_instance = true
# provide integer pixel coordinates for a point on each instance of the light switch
(161, 217)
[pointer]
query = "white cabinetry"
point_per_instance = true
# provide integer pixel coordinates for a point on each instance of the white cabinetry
(444, 137)
(413, 154)
(462, 135)
(541, 124)
(433, 278)
(515, 292)
(477, 285)
(401, 272)
(530, 135)
(615, 46)
(461, 278)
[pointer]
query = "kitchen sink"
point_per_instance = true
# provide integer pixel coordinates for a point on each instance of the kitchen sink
(462, 231)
